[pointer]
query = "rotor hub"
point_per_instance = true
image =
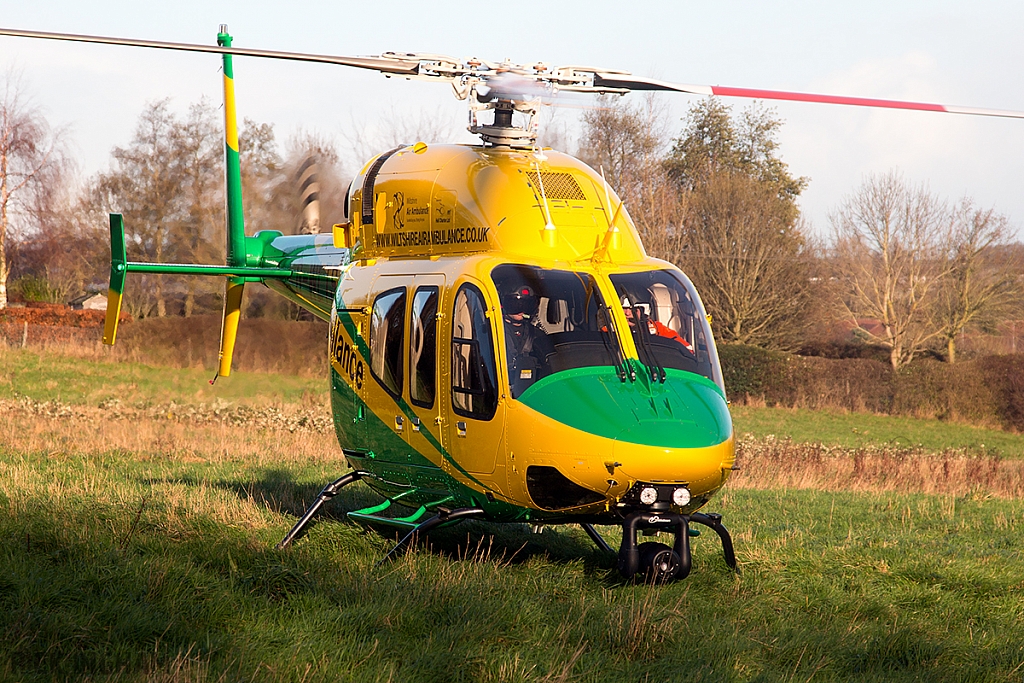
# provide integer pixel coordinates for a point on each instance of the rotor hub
(502, 132)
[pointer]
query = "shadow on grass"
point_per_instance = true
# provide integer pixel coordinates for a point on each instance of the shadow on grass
(508, 543)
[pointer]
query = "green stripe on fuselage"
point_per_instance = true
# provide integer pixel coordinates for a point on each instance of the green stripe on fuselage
(686, 411)
(346, 320)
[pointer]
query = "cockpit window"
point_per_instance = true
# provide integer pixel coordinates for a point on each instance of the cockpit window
(668, 322)
(554, 320)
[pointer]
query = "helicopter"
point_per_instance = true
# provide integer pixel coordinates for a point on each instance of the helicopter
(501, 346)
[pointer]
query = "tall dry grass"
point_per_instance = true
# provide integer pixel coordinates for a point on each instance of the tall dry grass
(303, 434)
(208, 433)
(772, 463)
(263, 344)
(65, 453)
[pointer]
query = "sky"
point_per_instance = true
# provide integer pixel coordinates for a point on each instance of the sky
(954, 53)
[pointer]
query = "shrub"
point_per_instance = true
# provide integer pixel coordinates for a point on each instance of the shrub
(753, 372)
(988, 391)
(1005, 376)
(929, 388)
(856, 384)
(32, 288)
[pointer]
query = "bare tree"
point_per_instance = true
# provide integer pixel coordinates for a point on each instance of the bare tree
(627, 143)
(262, 171)
(891, 247)
(750, 261)
(62, 248)
(625, 139)
(169, 186)
(31, 156)
(198, 144)
(397, 126)
(143, 185)
(982, 286)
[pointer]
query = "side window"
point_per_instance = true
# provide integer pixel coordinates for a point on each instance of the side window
(474, 375)
(423, 347)
(387, 328)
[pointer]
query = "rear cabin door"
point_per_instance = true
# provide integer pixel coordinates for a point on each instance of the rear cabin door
(424, 388)
(474, 423)
(386, 394)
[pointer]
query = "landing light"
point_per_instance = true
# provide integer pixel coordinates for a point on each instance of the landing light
(648, 495)
(680, 496)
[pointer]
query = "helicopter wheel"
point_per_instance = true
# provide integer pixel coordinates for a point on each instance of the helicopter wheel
(659, 564)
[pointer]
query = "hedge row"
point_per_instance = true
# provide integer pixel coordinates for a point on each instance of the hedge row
(986, 391)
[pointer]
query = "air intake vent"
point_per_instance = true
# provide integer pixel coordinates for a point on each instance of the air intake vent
(557, 185)
(552, 490)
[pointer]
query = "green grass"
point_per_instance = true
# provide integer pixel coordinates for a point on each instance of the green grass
(139, 569)
(853, 430)
(73, 380)
(159, 565)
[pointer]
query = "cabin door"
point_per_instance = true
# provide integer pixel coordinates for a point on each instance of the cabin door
(474, 423)
(425, 307)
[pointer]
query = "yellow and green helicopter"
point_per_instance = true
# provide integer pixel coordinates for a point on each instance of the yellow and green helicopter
(501, 346)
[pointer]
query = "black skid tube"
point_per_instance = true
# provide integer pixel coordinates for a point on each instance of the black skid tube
(328, 492)
(713, 521)
(443, 516)
(597, 538)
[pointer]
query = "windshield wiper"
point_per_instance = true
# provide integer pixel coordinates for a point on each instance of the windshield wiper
(622, 369)
(658, 373)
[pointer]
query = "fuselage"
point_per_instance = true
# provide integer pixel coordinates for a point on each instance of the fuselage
(607, 384)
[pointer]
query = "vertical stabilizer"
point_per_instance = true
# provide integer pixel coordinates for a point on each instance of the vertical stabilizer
(235, 223)
(118, 271)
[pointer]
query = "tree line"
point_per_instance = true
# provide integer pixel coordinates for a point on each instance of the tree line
(901, 269)
(168, 182)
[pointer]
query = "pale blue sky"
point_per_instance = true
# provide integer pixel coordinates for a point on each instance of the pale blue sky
(956, 53)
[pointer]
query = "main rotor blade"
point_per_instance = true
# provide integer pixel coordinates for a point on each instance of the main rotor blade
(386, 65)
(610, 80)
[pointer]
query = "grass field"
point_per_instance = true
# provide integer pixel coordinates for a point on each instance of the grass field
(140, 547)
(76, 380)
(854, 430)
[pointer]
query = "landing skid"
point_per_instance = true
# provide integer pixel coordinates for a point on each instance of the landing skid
(443, 516)
(328, 492)
(651, 562)
(412, 522)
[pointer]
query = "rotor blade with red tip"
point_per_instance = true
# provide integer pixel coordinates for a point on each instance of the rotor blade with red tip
(608, 80)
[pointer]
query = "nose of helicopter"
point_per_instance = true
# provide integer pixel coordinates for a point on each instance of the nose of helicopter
(687, 411)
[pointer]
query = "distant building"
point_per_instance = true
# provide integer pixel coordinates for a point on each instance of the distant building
(89, 302)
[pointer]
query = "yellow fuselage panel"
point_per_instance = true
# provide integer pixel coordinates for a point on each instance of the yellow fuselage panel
(494, 456)
(456, 200)
(602, 464)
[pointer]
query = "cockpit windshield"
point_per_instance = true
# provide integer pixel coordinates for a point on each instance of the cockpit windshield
(668, 322)
(554, 320)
